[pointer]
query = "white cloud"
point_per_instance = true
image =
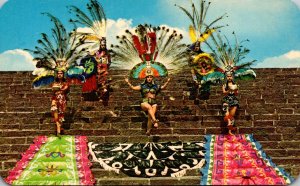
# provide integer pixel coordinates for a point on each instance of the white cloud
(252, 17)
(297, 2)
(16, 60)
(182, 31)
(20, 60)
(288, 60)
(2, 2)
(118, 27)
(113, 28)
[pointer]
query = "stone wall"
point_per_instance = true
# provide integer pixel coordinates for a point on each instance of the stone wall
(269, 108)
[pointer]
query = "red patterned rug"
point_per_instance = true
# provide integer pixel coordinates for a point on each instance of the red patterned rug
(239, 160)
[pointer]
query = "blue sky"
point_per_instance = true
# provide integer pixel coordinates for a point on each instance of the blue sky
(272, 26)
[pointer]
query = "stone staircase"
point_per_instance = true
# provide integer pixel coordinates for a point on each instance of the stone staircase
(269, 108)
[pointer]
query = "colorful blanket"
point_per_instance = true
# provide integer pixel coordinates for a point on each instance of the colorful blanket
(149, 159)
(239, 160)
(54, 161)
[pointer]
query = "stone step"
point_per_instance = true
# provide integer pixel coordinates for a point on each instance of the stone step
(101, 173)
(269, 108)
(185, 180)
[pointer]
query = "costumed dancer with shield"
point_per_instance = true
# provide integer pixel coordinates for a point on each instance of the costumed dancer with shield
(96, 64)
(201, 63)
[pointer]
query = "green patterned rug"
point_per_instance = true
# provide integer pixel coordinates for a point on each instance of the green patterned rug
(54, 161)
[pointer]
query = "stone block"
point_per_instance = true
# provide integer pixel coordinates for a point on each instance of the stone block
(191, 131)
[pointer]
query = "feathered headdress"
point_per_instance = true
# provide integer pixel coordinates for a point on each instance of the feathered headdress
(229, 60)
(57, 53)
(199, 30)
(157, 47)
(96, 21)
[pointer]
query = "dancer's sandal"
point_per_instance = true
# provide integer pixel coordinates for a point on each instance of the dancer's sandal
(62, 131)
(230, 127)
(148, 132)
(58, 130)
(155, 123)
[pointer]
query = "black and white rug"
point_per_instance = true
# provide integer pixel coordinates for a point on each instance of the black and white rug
(149, 159)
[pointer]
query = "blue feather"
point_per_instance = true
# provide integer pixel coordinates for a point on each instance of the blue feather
(213, 78)
(43, 81)
(76, 72)
(137, 69)
(244, 74)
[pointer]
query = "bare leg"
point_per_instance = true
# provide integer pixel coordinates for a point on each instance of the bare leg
(229, 126)
(58, 124)
(147, 107)
(55, 115)
(151, 115)
(154, 108)
(149, 125)
(232, 112)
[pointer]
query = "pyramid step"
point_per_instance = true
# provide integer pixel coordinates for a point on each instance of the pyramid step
(185, 180)
(100, 173)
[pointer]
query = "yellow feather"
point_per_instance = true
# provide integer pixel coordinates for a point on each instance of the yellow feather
(208, 57)
(192, 34)
(206, 35)
(91, 38)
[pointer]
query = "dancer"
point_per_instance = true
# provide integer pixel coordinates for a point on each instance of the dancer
(201, 63)
(96, 85)
(228, 59)
(149, 89)
(60, 90)
(230, 102)
(55, 56)
(103, 63)
(149, 51)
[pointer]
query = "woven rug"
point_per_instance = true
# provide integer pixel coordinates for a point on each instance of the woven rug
(54, 161)
(239, 160)
(149, 159)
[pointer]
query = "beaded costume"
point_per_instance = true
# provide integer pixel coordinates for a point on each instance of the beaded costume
(149, 88)
(59, 100)
(149, 51)
(228, 61)
(230, 99)
(96, 86)
(201, 63)
(55, 60)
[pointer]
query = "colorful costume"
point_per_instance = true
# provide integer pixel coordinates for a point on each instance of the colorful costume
(201, 63)
(55, 60)
(59, 53)
(89, 64)
(59, 100)
(103, 63)
(149, 88)
(97, 85)
(149, 51)
(228, 61)
(155, 48)
(230, 99)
